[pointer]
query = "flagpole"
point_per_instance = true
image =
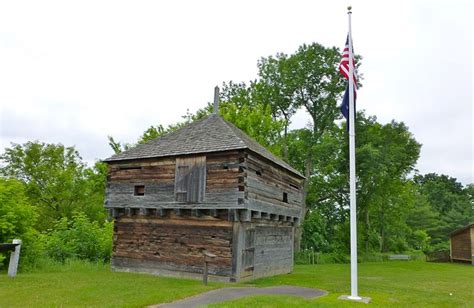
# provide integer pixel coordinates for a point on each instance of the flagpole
(352, 175)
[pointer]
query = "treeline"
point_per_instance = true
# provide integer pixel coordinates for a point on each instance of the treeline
(51, 198)
(53, 202)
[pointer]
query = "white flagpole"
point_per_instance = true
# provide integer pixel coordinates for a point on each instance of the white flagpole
(352, 176)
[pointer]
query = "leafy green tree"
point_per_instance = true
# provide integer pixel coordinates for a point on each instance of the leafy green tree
(17, 216)
(116, 146)
(385, 156)
(151, 133)
(56, 181)
(257, 122)
(449, 201)
(80, 238)
(275, 88)
(315, 235)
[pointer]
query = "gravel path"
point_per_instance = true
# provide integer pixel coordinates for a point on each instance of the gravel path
(226, 294)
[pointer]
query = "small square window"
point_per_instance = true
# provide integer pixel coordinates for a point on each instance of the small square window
(139, 190)
(285, 197)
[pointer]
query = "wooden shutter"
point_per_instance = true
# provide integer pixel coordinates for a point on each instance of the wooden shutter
(190, 179)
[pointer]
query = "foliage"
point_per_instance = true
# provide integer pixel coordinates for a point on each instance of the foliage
(256, 121)
(151, 133)
(394, 213)
(314, 235)
(17, 216)
(79, 238)
(446, 204)
(54, 202)
(56, 181)
(313, 256)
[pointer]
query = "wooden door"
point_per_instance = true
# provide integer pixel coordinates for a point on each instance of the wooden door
(190, 179)
(248, 253)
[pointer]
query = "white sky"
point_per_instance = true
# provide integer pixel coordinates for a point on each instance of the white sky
(76, 71)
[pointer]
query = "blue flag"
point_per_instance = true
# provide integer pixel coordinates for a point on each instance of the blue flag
(345, 105)
(344, 70)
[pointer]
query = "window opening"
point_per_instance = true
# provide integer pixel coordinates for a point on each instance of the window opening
(139, 190)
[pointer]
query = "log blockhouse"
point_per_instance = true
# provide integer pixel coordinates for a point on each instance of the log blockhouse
(205, 187)
(462, 244)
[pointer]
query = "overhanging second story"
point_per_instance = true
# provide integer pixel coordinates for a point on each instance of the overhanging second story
(209, 167)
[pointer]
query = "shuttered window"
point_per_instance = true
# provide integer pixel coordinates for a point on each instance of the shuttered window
(190, 179)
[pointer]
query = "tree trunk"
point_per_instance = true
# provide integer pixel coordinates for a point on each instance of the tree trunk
(382, 232)
(367, 229)
(285, 142)
(298, 229)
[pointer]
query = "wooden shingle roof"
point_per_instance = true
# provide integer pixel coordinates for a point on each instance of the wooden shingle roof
(211, 134)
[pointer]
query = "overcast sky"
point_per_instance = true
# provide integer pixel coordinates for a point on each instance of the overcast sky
(73, 72)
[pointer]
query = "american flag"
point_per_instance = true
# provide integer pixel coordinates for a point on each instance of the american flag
(344, 69)
(344, 65)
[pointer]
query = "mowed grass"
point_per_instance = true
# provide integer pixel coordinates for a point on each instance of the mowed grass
(398, 284)
(389, 284)
(93, 285)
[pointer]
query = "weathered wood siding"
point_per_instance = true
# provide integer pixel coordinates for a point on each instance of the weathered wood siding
(172, 245)
(234, 204)
(461, 246)
(262, 248)
(221, 174)
(266, 185)
(273, 250)
(190, 179)
(472, 245)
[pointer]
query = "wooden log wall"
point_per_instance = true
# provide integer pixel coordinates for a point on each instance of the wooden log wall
(262, 248)
(273, 250)
(245, 217)
(266, 185)
(172, 244)
(461, 249)
(224, 179)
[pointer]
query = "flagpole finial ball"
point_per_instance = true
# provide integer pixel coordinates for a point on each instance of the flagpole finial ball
(349, 8)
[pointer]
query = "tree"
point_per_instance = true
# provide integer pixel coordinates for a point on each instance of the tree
(385, 156)
(449, 201)
(274, 88)
(17, 216)
(56, 181)
(151, 133)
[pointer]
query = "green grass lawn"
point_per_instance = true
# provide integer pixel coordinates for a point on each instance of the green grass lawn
(396, 284)
(92, 285)
(402, 284)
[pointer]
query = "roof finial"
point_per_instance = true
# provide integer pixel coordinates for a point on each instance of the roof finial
(216, 100)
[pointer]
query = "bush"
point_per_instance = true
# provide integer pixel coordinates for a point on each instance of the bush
(79, 239)
(312, 257)
(17, 216)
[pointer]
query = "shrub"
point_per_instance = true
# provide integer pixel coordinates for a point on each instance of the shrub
(79, 239)
(17, 216)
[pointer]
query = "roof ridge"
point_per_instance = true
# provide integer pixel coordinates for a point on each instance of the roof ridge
(232, 126)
